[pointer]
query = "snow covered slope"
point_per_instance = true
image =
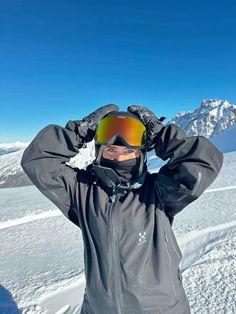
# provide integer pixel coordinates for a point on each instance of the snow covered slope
(226, 140)
(212, 117)
(41, 256)
(12, 175)
(6, 148)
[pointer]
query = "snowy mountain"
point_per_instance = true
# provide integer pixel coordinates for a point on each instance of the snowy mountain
(6, 148)
(212, 117)
(12, 175)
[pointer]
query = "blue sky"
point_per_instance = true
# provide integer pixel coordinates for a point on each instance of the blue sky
(60, 60)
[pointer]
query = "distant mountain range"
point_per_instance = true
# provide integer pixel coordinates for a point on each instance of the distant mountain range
(12, 175)
(214, 119)
(6, 148)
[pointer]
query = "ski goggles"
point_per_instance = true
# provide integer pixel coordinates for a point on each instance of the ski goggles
(128, 129)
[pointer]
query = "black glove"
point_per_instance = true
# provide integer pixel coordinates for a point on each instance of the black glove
(86, 127)
(151, 122)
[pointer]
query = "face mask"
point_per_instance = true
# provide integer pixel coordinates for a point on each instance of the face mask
(126, 169)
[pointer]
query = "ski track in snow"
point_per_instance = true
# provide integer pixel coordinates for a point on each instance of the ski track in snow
(232, 187)
(54, 213)
(30, 218)
(197, 243)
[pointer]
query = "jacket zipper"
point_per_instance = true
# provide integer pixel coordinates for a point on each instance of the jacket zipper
(170, 269)
(116, 258)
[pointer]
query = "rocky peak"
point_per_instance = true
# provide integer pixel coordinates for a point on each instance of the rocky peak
(212, 117)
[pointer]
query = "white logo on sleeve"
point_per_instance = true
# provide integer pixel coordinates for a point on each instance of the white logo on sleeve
(142, 237)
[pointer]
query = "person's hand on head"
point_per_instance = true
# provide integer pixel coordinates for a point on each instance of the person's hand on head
(87, 126)
(151, 122)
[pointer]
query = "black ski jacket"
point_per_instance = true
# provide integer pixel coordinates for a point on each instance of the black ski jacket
(131, 255)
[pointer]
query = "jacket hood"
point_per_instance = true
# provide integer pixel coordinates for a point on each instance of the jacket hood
(111, 180)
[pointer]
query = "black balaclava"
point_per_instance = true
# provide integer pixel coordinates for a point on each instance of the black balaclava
(125, 169)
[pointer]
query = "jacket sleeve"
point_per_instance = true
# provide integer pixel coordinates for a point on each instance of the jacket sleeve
(194, 163)
(44, 163)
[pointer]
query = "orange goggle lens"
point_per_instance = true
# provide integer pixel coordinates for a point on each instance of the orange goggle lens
(129, 128)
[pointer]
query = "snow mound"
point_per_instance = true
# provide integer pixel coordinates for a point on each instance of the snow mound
(197, 243)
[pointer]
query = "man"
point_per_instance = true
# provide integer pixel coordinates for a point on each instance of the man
(131, 256)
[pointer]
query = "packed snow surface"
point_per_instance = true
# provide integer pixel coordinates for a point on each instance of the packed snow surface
(41, 256)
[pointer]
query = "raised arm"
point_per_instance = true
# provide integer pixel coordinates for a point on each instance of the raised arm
(194, 162)
(44, 160)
